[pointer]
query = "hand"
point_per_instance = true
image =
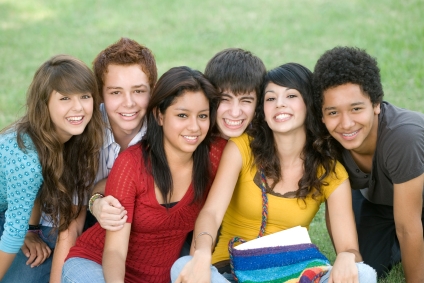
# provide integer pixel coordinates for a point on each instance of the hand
(197, 270)
(110, 213)
(344, 269)
(35, 249)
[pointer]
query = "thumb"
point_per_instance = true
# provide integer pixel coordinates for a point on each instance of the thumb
(114, 202)
(25, 250)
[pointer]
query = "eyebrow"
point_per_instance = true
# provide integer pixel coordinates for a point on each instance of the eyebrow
(118, 87)
(185, 109)
(271, 90)
(353, 104)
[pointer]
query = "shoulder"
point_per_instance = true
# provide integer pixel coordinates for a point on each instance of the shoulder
(397, 121)
(242, 142)
(132, 155)
(338, 176)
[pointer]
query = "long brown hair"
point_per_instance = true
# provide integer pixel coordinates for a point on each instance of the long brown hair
(68, 169)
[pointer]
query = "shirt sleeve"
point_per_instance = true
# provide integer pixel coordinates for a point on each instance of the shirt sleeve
(123, 180)
(403, 153)
(22, 178)
(334, 180)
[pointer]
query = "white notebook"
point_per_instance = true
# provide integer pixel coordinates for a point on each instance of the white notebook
(292, 236)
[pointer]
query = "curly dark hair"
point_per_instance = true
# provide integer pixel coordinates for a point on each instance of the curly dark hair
(342, 65)
(317, 156)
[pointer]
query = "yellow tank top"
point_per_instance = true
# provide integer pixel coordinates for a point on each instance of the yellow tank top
(243, 216)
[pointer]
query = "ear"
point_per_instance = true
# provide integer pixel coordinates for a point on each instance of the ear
(377, 109)
(159, 116)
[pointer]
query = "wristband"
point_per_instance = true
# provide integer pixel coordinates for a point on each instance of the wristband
(92, 200)
(33, 227)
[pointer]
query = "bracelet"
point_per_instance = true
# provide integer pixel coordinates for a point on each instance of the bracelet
(92, 200)
(33, 227)
(34, 231)
(201, 234)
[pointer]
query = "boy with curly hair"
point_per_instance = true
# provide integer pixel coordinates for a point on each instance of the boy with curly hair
(382, 148)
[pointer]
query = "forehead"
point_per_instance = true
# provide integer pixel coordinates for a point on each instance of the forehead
(228, 93)
(345, 94)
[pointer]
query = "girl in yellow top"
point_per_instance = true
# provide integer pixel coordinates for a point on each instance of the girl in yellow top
(300, 175)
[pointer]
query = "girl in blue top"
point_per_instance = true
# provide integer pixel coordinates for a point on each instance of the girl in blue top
(51, 153)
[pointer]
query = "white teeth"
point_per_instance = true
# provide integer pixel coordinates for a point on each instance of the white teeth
(190, 137)
(282, 116)
(233, 122)
(128, 114)
(74, 118)
(350, 135)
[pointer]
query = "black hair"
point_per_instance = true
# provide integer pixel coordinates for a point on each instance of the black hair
(172, 84)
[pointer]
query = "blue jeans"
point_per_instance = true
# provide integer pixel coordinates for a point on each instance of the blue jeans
(80, 270)
(19, 271)
(366, 273)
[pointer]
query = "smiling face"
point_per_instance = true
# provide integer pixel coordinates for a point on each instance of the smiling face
(284, 109)
(350, 117)
(185, 123)
(126, 93)
(235, 112)
(70, 114)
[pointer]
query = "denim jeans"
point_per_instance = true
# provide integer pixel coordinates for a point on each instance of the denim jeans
(366, 273)
(20, 272)
(80, 270)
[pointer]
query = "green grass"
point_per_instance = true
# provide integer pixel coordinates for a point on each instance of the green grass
(188, 32)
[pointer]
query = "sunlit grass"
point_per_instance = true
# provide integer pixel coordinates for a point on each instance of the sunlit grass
(188, 32)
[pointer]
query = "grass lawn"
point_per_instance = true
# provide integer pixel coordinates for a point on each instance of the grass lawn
(188, 32)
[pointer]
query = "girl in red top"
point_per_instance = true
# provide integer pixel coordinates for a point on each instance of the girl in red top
(162, 182)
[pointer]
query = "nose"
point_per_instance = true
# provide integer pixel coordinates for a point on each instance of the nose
(235, 110)
(193, 125)
(281, 101)
(346, 121)
(77, 105)
(128, 100)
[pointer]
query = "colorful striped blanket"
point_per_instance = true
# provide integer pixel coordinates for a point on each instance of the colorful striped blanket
(300, 263)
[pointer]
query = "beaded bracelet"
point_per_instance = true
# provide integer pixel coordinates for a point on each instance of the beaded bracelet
(92, 200)
(201, 234)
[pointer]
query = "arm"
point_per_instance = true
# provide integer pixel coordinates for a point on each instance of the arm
(115, 254)
(6, 260)
(344, 235)
(407, 209)
(108, 211)
(65, 241)
(211, 215)
(34, 248)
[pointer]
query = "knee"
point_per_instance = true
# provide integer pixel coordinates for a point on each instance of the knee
(366, 273)
(178, 266)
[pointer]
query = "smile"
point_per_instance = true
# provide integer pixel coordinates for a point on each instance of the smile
(128, 114)
(350, 134)
(191, 139)
(233, 122)
(282, 117)
(74, 118)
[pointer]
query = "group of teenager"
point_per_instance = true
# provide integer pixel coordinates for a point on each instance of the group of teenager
(114, 175)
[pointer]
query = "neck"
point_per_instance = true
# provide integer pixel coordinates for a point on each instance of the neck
(178, 159)
(290, 147)
(124, 137)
